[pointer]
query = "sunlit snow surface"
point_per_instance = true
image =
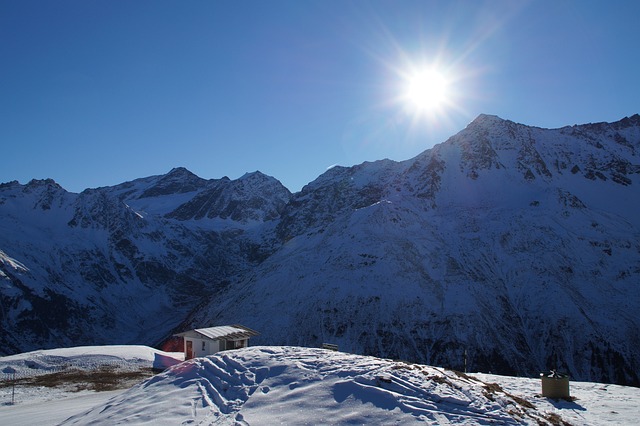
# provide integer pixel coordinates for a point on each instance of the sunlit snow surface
(89, 357)
(292, 385)
(39, 405)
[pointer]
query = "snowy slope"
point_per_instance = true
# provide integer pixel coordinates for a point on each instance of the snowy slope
(47, 361)
(293, 385)
(48, 405)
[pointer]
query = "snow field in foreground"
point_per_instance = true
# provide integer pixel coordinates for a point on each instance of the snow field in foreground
(294, 386)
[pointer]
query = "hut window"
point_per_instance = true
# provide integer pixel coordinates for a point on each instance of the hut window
(203, 344)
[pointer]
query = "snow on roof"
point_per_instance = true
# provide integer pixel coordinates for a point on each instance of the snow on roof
(223, 332)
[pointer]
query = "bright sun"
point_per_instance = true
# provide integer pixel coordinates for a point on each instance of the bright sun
(427, 90)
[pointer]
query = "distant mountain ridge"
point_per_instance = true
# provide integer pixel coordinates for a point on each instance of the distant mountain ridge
(113, 264)
(516, 245)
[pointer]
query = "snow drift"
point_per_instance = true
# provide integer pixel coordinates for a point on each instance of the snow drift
(289, 385)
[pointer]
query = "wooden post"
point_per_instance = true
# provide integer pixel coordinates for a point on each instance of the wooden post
(11, 370)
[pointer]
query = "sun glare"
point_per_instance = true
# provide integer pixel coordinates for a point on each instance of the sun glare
(427, 90)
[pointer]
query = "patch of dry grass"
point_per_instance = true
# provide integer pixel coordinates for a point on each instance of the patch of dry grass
(102, 379)
(491, 389)
(556, 420)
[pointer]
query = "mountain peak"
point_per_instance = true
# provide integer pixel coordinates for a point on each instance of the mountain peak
(250, 175)
(181, 172)
(11, 184)
(252, 197)
(486, 120)
(179, 180)
(37, 183)
(634, 120)
(257, 176)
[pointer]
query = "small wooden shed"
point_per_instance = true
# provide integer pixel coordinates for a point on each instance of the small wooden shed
(555, 385)
(207, 341)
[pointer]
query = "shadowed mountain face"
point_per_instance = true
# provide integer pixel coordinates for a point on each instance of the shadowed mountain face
(517, 245)
(124, 263)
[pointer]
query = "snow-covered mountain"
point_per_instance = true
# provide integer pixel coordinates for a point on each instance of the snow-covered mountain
(123, 264)
(516, 245)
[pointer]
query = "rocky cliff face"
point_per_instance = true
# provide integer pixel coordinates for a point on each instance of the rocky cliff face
(517, 245)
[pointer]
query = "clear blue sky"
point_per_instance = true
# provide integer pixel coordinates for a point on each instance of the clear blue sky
(95, 93)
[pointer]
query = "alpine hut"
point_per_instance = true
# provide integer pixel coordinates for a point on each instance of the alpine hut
(207, 341)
